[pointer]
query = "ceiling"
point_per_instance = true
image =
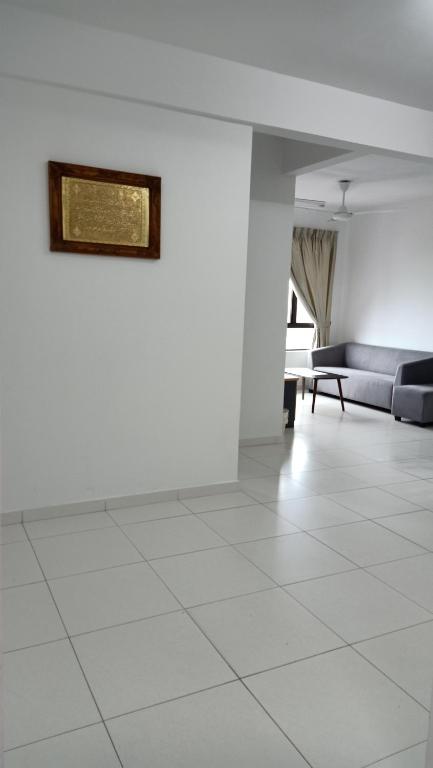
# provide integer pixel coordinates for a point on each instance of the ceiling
(377, 181)
(379, 47)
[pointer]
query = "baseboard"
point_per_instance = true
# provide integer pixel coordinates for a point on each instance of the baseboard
(208, 490)
(115, 502)
(261, 440)
(11, 518)
(136, 500)
(63, 510)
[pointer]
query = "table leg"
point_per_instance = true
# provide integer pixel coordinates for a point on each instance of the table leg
(303, 387)
(290, 388)
(341, 394)
(314, 394)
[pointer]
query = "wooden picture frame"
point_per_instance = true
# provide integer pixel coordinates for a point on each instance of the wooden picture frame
(104, 212)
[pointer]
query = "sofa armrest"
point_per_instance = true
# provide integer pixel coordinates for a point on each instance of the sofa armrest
(333, 355)
(415, 372)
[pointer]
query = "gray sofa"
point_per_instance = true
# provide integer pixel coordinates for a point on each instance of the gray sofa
(399, 380)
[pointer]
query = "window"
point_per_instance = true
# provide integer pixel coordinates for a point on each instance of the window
(300, 327)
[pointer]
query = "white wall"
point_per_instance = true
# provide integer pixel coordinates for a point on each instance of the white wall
(387, 295)
(269, 249)
(120, 376)
(55, 50)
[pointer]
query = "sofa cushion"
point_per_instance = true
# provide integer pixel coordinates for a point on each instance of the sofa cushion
(367, 357)
(367, 387)
(414, 401)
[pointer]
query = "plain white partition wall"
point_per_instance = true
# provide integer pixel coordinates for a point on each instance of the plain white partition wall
(386, 294)
(120, 376)
(269, 249)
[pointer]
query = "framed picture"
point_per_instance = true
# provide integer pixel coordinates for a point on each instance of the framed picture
(98, 211)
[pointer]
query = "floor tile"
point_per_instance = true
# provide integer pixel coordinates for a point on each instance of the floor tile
(407, 658)
(414, 757)
(419, 492)
(29, 617)
(45, 694)
(399, 451)
(329, 481)
(416, 526)
(173, 536)
(69, 524)
(366, 543)
(413, 577)
(329, 703)
(264, 630)
(265, 489)
(356, 606)
(220, 728)
(378, 473)
(247, 523)
(12, 533)
(141, 647)
(215, 574)
(296, 461)
(217, 501)
(150, 661)
(313, 512)
(19, 565)
(340, 457)
(294, 558)
(249, 468)
(88, 748)
(86, 551)
(141, 514)
(373, 502)
(420, 468)
(100, 599)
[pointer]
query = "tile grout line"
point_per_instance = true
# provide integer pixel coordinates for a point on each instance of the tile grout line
(54, 736)
(71, 645)
(371, 565)
(345, 642)
(262, 706)
(237, 677)
(234, 597)
(236, 546)
(394, 754)
(385, 674)
(257, 502)
(399, 591)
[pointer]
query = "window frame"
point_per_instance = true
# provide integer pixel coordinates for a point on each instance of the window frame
(293, 314)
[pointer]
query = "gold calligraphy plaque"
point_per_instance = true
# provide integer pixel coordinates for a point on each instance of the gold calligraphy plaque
(104, 212)
(101, 212)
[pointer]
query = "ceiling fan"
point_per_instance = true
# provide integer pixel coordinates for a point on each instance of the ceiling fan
(342, 213)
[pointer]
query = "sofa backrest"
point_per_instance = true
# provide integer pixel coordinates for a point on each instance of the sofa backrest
(379, 359)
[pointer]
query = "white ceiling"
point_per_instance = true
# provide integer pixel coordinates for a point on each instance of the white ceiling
(379, 47)
(378, 181)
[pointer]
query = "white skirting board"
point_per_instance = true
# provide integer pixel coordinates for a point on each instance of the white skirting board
(100, 505)
(261, 440)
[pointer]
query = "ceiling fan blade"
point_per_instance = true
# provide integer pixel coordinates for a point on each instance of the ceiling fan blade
(378, 210)
(306, 207)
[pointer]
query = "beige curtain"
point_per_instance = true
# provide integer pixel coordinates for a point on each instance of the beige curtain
(313, 264)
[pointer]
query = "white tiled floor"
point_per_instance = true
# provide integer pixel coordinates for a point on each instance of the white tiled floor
(289, 623)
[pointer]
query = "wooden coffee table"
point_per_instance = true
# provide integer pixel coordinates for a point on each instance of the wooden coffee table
(309, 373)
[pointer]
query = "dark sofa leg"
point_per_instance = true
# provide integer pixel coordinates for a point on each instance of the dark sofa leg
(397, 418)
